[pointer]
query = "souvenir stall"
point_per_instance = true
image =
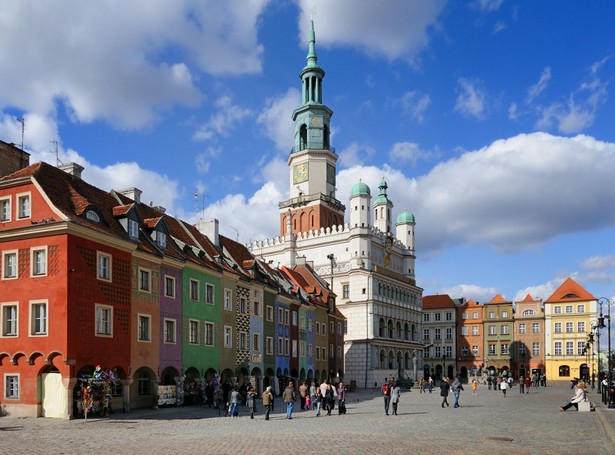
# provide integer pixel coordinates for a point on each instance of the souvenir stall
(95, 393)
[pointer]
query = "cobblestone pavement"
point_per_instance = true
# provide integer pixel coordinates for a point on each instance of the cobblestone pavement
(489, 422)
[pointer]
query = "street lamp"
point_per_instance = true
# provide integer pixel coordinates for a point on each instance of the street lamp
(601, 319)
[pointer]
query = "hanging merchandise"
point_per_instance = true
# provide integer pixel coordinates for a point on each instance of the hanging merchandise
(95, 393)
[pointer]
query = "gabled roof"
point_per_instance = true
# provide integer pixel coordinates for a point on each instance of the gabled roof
(570, 291)
(498, 299)
(528, 298)
(432, 302)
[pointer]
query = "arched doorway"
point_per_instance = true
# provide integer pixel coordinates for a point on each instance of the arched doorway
(463, 373)
(584, 372)
(143, 389)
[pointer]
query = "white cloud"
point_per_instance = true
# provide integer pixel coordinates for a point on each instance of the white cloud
(513, 111)
(223, 121)
(277, 122)
(355, 154)
(543, 291)
(487, 5)
(98, 63)
(415, 104)
(393, 29)
(539, 86)
(470, 291)
(470, 99)
(498, 27)
(407, 152)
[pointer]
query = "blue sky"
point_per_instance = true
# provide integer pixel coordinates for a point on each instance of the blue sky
(491, 120)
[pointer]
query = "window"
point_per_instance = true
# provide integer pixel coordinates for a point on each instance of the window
(529, 313)
(425, 334)
(269, 313)
(475, 330)
(9, 319)
(535, 327)
(491, 315)
(209, 334)
(504, 330)
(331, 352)
(286, 317)
(170, 336)
(346, 291)
(317, 353)
(103, 266)
(521, 349)
(104, 320)
(581, 326)
(449, 316)
(436, 317)
(269, 348)
(580, 308)
(569, 327)
(11, 390)
(492, 330)
(339, 328)
(161, 239)
(568, 308)
(256, 341)
(323, 328)
(569, 347)
(504, 349)
(145, 327)
(504, 314)
(475, 315)
(449, 334)
(194, 290)
(280, 346)
(209, 294)
(558, 348)
(557, 310)
(425, 317)
(280, 316)
(294, 318)
(536, 348)
(228, 300)
(9, 265)
(317, 328)
(133, 229)
(228, 336)
(436, 335)
(243, 341)
(464, 331)
(169, 286)
(310, 325)
(286, 346)
(339, 352)
(193, 332)
(492, 349)
(331, 327)
(92, 216)
(144, 384)
(294, 348)
(243, 305)
(464, 350)
(257, 308)
(5, 209)
(475, 350)
(521, 328)
(38, 261)
(38, 318)
(23, 205)
(558, 327)
(581, 348)
(144, 280)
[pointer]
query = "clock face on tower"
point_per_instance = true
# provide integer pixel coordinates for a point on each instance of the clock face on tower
(300, 173)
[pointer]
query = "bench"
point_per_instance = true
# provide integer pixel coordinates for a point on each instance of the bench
(585, 406)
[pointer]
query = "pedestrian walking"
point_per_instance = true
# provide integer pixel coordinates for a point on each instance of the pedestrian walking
(528, 382)
(341, 399)
(422, 384)
(303, 391)
(489, 381)
(474, 387)
(457, 387)
(251, 400)
(430, 384)
(386, 394)
(521, 385)
(317, 401)
(234, 402)
(330, 398)
(503, 386)
(267, 401)
(289, 398)
(395, 392)
(444, 389)
(312, 394)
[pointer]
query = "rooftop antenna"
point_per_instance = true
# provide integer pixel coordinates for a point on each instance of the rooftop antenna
(58, 162)
(196, 202)
(237, 233)
(23, 128)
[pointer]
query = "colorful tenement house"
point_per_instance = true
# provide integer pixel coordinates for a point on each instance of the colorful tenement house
(439, 336)
(569, 313)
(498, 336)
(470, 352)
(92, 278)
(528, 347)
(369, 265)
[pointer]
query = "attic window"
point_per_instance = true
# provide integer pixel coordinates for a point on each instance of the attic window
(92, 216)
(133, 229)
(161, 239)
(570, 296)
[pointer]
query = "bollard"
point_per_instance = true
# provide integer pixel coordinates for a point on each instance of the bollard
(612, 396)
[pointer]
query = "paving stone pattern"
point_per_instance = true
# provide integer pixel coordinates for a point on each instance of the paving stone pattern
(487, 423)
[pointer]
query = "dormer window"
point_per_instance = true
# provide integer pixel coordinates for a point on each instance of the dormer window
(161, 239)
(92, 216)
(133, 229)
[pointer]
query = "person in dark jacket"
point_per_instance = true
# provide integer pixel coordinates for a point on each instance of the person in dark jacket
(252, 401)
(444, 389)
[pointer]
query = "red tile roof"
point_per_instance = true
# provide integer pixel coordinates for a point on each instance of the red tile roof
(432, 302)
(570, 291)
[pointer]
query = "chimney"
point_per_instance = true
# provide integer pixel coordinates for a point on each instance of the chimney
(210, 230)
(73, 169)
(12, 158)
(133, 193)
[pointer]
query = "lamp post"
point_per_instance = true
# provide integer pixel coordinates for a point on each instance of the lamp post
(601, 319)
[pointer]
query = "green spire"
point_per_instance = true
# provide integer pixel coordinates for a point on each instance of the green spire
(311, 57)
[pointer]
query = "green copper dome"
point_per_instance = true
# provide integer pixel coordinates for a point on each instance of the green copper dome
(405, 217)
(360, 189)
(382, 198)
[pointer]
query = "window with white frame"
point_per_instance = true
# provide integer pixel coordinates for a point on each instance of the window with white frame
(243, 341)
(580, 308)
(331, 351)
(23, 205)
(38, 318)
(449, 334)
(5, 209)
(256, 341)
(529, 312)
(209, 334)
(194, 290)
(169, 286)
(310, 350)
(302, 348)
(569, 347)
(286, 317)
(228, 336)
(346, 291)
(557, 327)
(464, 350)
(475, 350)
(295, 316)
(436, 335)
(145, 280)
(504, 347)
(492, 349)
(92, 216)
(475, 315)
(436, 317)
(536, 348)
(449, 316)
(504, 330)
(317, 328)
(257, 308)
(339, 352)
(103, 266)
(10, 318)
(209, 293)
(11, 389)
(317, 353)
(425, 317)
(557, 310)
(280, 346)
(581, 326)
(569, 327)
(323, 328)
(269, 348)
(504, 314)
(492, 329)
(521, 328)
(104, 320)
(280, 316)
(269, 313)
(193, 331)
(294, 348)
(557, 348)
(228, 300)
(569, 308)
(144, 384)
(474, 330)
(133, 229)
(9, 265)
(324, 353)
(286, 346)
(161, 239)
(425, 334)
(492, 315)
(144, 328)
(170, 331)
(243, 305)
(535, 327)
(464, 330)
(38, 261)
(581, 348)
